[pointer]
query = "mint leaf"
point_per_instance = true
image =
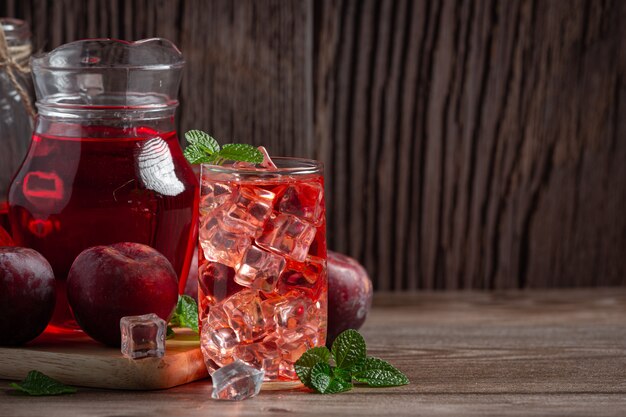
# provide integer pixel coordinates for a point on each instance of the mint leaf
(239, 152)
(202, 141)
(348, 349)
(321, 377)
(204, 149)
(338, 385)
(38, 384)
(325, 381)
(196, 155)
(349, 353)
(308, 360)
(186, 313)
(378, 373)
(343, 374)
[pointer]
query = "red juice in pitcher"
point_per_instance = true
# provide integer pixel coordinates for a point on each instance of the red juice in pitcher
(113, 185)
(104, 165)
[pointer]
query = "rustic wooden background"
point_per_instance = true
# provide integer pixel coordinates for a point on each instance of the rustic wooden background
(468, 144)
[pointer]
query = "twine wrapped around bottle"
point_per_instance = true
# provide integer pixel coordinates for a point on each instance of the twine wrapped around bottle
(14, 60)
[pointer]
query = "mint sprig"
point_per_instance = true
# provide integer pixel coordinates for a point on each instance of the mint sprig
(40, 384)
(185, 314)
(351, 363)
(204, 149)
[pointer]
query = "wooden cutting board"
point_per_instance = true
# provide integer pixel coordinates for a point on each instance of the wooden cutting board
(75, 359)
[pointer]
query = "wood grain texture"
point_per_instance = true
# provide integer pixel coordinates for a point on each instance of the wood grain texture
(530, 353)
(248, 74)
(475, 144)
(467, 144)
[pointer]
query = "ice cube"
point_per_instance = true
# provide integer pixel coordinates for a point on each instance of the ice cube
(217, 281)
(218, 339)
(287, 235)
(286, 370)
(262, 355)
(143, 336)
(248, 210)
(260, 269)
(213, 195)
(305, 200)
(236, 381)
(245, 315)
(220, 245)
(289, 312)
(308, 277)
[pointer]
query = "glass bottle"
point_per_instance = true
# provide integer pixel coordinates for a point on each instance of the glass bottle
(16, 108)
(105, 165)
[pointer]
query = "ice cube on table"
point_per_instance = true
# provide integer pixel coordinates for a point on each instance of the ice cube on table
(260, 269)
(305, 200)
(236, 381)
(248, 210)
(287, 235)
(220, 245)
(143, 336)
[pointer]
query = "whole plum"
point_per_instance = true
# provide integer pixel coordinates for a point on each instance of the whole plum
(27, 295)
(349, 294)
(106, 283)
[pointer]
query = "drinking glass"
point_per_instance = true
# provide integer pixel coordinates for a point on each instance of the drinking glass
(262, 265)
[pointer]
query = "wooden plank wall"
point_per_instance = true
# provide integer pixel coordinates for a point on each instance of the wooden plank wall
(468, 144)
(476, 144)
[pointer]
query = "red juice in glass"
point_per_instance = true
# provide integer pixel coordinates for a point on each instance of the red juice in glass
(262, 265)
(104, 165)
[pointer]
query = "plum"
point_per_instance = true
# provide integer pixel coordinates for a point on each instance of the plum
(27, 295)
(5, 238)
(349, 294)
(106, 283)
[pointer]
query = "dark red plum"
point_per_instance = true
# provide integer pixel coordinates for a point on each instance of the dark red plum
(106, 283)
(349, 294)
(27, 295)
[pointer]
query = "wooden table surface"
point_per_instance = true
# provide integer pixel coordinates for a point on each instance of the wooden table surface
(513, 353)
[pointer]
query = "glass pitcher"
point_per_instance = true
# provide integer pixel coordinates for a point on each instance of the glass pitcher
(105, 165)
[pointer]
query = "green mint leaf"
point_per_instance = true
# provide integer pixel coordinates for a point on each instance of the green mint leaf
(195, 155)
(343, 374)
(325, 381)
(308, 360)
(37, 383)
(378, 373)
(186, 313)
(338, 385)
(348, 349)
(170, 333)
(202, 141)
(239, 152)
(321, 377)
